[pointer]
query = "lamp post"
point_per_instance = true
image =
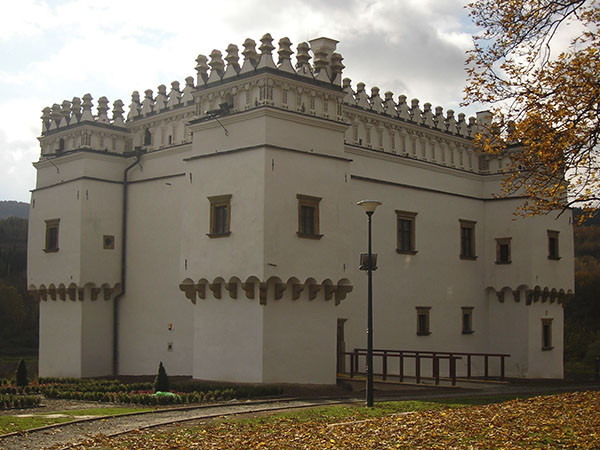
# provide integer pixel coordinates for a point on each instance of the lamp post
(369, 206)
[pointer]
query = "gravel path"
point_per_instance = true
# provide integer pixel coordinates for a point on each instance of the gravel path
(64, 435)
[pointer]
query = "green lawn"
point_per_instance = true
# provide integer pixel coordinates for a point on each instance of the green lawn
(12, 423)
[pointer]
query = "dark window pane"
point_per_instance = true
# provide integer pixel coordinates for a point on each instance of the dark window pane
(504, 254)
(405, 235)
(422, 323)
(307, 219)
(220, 219)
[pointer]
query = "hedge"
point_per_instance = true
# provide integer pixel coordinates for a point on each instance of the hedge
(10, 401)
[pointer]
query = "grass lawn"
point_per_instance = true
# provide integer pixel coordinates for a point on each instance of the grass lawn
(569, 420)
(12, 423)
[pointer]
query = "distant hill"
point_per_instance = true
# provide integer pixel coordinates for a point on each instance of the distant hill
(10, 208)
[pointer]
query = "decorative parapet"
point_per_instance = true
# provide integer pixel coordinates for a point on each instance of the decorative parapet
(253, 288)
(529, 295)
(73, 291)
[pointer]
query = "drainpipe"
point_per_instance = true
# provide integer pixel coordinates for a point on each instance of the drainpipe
(138, 156)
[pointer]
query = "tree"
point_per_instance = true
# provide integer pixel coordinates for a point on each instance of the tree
(21, 374)
(12, 311)
(161, 382)
(545, 97)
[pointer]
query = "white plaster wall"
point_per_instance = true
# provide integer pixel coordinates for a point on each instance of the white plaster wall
(228, 336)
(60, 338)
(300, 340)
(96, 337)
(153, 312)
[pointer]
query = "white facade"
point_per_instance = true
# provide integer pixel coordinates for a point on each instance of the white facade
(256, 294)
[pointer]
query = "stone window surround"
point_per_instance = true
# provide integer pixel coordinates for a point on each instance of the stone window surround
(500, 242)
(423, 311)
(310, 202)
(51, 244)
(406, 216)
(467, 325)
(553, 245)
(217, 201)
(547, 334)
(470, 225)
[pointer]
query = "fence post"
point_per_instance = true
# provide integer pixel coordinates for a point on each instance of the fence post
(453, 369)
(384, 366)
(351, 355)
(597, 369)
(417, 367)
(468, 366)
(436, 368)
(502, 368)
(401, 375)
(486, 367)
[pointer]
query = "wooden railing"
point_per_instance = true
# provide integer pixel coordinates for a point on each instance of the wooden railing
(419, 356)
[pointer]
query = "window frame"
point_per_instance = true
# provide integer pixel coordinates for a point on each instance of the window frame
(50, 244)
(553, 250)
(499, 243)
(472, 253)
(410, 217)
(467, 325)
(423, 311)
(219, 201)
(547, 337)
(308, 201)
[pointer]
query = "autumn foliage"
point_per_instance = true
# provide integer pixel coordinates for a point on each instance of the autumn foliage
(560, 421)
(545, 92)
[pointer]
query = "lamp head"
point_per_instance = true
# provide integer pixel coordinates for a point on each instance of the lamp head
(369, 205)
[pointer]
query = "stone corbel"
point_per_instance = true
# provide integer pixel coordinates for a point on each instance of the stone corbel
(517, 295)
(329, 290)
(95, 292)
(500, 295)
(313, 290)
(341, 292)
(279, 290)
(529, 297)
(232, 288)
(52, 292)
(248, 287)
(61, 291)
(43, 293)
(296, 291)
(263, 287)
(72, 292)
(216, 289)
(545, 295)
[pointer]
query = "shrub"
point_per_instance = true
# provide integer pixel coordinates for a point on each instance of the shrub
(161, 382)
(21, 374)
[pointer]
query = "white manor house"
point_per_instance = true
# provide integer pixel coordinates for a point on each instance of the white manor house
(215, 228)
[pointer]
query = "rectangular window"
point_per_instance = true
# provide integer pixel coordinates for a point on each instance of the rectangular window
(51, 235)
(467, 239)
(220, 215)
(547, 334)
(467, 319)
(423, 320)
(308, 216)
(553, 252)
(503, 251)
(406, 232)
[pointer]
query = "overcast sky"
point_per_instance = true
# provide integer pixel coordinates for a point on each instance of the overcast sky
(52, 50)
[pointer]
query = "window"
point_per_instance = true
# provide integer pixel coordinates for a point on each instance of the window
(467, 239)
(467, 319)
(51, 235)
(553, 245)
(406, 232)
(547, 334)
(503, 251)
(423, 320)
(147, 137)
(220, 215)
(308, 217)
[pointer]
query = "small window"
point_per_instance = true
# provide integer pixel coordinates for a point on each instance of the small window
(547, 334)
(308, 217)
(467, 239)
(503, 251)
(220, 215)
(467, 319)
(147, 137)
(423, 320)
(51, 235)
(108, 242)
(553, 252)
(405, 227)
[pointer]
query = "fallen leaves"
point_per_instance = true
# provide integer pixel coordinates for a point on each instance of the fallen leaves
(569, 421)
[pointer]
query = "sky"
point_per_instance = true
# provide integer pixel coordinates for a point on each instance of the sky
(52, 50)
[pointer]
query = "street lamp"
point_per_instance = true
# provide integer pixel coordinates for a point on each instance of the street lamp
(369, 206)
